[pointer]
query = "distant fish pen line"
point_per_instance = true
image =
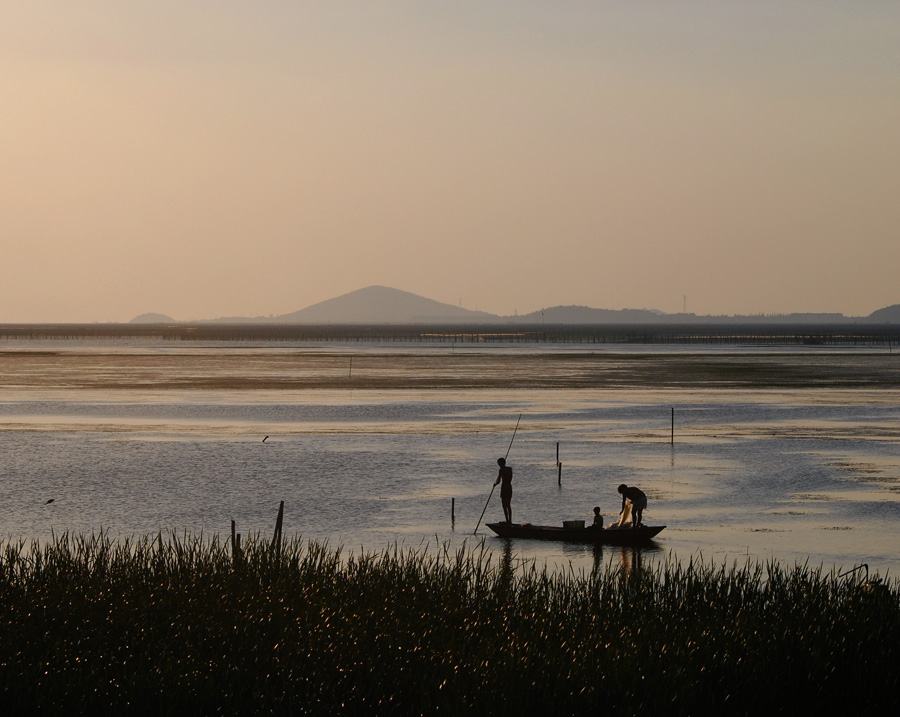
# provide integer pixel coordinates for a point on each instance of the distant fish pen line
(838, 335)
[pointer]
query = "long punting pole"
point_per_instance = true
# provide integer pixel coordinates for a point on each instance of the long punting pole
(495, 485)
(485, 509)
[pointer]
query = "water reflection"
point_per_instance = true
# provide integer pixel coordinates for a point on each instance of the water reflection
(506, 569)
(629, 558)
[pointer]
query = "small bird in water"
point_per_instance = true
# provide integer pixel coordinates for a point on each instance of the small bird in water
(49, 502)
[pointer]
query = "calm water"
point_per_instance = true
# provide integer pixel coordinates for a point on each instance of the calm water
(795, 475)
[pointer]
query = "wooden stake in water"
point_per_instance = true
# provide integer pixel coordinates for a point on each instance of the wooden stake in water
(235, 545)
(558, 467)
(276, 539)
(673, 426)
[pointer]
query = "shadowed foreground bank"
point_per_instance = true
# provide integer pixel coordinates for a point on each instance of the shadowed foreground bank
(89, 624)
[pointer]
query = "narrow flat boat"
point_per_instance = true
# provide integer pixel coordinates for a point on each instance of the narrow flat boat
(597, 536)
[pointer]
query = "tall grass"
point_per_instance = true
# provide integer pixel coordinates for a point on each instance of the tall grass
(88, 624)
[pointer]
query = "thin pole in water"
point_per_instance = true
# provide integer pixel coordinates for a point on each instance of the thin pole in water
(673, 426)
(558, 467)
(235, 545)
(276, 538)
(495, 485)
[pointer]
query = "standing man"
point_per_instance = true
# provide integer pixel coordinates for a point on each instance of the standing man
(638, 503)
(505, 477)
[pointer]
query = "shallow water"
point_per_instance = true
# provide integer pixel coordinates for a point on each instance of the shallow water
(798, 475)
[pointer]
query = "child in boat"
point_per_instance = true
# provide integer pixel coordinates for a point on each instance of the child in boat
(598, 519)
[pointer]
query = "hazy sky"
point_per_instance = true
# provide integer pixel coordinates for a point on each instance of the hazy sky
(219, 158)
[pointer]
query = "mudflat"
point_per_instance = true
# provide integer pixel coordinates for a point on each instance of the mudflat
(374, 369)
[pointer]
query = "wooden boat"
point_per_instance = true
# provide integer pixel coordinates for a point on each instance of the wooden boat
(601, 536)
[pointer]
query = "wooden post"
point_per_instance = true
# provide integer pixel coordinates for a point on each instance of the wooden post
(673, 426)
(558, 466)
(276, 539)
(452, 511)
(235, 546)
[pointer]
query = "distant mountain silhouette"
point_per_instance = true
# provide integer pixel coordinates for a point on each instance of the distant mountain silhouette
(152, 319)
(887, 315)
(587, 315)
(382, 305)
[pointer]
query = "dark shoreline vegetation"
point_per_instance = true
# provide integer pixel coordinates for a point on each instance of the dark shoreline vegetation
(762, 333)
(150, 626)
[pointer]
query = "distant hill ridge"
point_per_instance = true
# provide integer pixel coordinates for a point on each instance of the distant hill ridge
(152, 319)
(384, 305)
(381, 304)
(887, 315)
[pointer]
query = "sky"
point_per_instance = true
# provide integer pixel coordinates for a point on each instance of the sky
(206, 158)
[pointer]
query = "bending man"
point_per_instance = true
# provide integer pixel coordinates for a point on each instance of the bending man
(638, 502)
